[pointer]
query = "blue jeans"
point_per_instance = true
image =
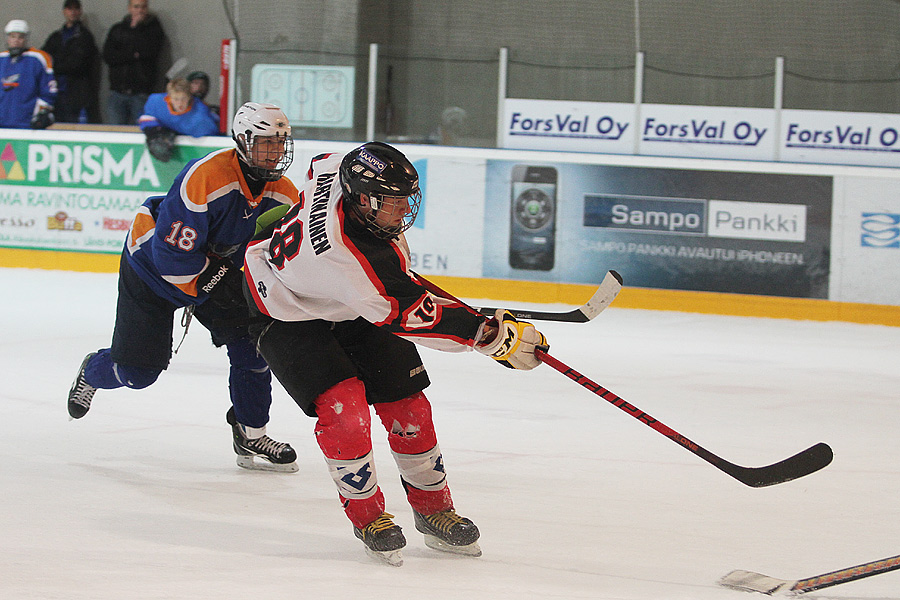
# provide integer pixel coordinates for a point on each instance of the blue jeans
(124, 109)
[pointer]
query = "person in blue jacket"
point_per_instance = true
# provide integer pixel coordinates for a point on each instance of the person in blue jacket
(179, 111)
(29, 88)
(176, 112)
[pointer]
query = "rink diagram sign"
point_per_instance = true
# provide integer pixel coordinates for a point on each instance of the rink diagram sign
(310, 95)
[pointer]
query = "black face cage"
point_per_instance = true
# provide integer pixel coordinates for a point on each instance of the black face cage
(265, 173)
(387, 232)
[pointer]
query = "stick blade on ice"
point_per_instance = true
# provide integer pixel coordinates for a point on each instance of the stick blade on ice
(748, 581)
(801, 464)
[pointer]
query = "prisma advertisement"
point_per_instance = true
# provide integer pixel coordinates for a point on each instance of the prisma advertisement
(716, 231)
(78, 195)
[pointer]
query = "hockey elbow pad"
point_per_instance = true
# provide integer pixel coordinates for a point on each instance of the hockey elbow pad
(514, 344)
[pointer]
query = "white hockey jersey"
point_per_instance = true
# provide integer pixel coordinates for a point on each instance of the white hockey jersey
(320, 264)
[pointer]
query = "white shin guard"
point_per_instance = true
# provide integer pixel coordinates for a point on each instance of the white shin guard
(355, 479)
(423, 471)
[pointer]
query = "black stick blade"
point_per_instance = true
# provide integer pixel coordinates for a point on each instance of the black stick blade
(809, 461)
(604, 295)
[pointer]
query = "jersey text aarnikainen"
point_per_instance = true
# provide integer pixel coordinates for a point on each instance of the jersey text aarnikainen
(318, 234)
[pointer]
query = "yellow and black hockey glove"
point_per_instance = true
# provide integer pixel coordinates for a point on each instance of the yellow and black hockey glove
(514, 343)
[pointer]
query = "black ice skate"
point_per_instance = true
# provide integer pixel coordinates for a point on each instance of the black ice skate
(81, 393)
(262, 453)
(449, 532)
(383, 539)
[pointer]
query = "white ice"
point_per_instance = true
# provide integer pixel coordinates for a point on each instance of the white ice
(574, 498)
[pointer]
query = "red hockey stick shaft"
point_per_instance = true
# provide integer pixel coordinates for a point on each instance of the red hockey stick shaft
(803, 463)
(808, 461)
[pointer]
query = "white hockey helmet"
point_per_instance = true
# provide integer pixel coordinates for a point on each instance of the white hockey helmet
(254, 120)
(17, 26)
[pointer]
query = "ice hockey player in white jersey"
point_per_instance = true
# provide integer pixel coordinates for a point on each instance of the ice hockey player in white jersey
(345, 313)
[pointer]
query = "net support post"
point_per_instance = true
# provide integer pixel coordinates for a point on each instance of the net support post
(638, 99)
(502, 68)
(372, 92)
(779, 103)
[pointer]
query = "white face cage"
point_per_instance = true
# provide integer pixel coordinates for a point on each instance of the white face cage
(254, 128)
(267, 156)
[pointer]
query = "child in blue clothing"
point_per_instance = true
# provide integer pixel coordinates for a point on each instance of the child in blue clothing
(176, 112)
(179, 111)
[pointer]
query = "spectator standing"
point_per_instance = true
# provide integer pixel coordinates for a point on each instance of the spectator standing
(131, 51)
(74, 54)
(29, 88)
(172, 113)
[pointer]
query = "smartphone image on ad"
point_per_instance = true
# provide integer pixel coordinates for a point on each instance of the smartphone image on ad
(532, 237)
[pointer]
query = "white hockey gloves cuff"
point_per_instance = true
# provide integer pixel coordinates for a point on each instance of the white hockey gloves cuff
(513, 345)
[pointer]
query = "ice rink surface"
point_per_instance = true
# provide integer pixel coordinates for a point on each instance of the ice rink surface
(574, 498)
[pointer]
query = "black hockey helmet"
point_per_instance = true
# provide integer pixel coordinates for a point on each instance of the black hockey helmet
(384, 175)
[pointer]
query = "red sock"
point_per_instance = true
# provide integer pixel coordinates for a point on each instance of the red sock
(343, 432)
(412, 438)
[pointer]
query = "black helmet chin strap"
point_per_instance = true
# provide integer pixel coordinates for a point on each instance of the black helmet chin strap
(254, 182)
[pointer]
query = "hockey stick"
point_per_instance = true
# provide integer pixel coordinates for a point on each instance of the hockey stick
(602, 298)
(809, 461)
(748, 581)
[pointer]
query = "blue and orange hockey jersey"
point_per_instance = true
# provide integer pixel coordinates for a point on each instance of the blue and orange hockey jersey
(28, 86)
(208, 210)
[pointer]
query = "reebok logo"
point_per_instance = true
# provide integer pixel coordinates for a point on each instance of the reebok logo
(208, 287)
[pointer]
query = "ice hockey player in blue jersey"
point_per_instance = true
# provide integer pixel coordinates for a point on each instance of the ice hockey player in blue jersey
(29, 88)
(186, 249)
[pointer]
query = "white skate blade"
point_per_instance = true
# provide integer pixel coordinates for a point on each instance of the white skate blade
(257, 463)
(435, 543)
(393, 558)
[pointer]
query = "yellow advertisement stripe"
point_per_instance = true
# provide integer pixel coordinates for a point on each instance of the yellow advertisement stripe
(59, 261)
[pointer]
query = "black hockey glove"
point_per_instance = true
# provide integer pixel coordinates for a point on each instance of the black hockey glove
(43, 119)
(223, 282)
(160, 142)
